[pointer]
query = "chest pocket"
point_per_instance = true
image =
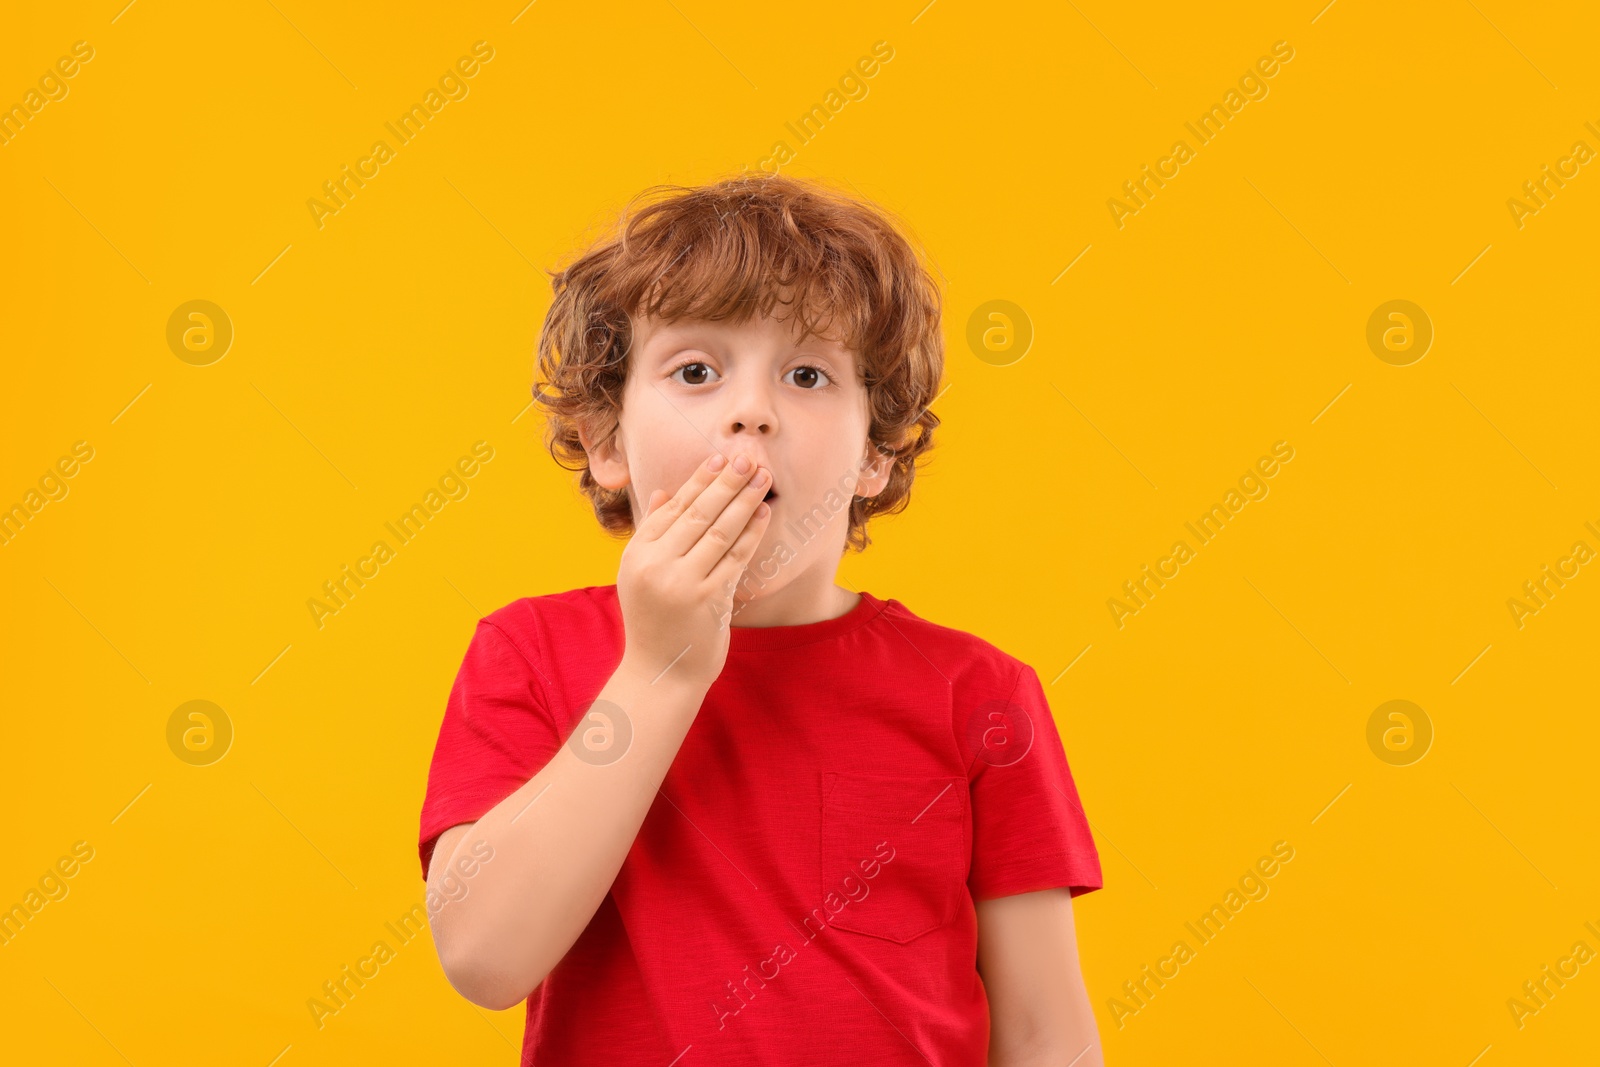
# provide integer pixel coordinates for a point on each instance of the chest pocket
(894, 852)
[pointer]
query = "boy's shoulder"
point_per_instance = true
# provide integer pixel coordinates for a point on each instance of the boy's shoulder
(585, 600)
(588, 614)
(963, 657)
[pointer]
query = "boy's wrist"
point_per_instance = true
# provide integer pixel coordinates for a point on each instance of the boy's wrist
(671, 680)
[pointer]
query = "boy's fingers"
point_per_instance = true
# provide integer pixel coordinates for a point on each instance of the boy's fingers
(658, 519)
(650, 507)
(719, 536)
(694, 517)
(732, 565)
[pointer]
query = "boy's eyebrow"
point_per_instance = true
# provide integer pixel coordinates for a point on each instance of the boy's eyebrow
(664, 340)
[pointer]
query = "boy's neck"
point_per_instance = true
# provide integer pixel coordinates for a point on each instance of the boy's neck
(802, 601)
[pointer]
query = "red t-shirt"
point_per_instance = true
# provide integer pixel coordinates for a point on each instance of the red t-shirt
(801, 890)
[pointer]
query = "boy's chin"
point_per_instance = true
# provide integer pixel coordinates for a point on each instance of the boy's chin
(748, 592)
(752, 589)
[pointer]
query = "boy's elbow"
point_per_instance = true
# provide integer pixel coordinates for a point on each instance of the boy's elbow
(480, 991)
(492, 997)
(485, 984)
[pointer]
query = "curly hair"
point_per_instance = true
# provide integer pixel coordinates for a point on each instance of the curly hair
(730, 251)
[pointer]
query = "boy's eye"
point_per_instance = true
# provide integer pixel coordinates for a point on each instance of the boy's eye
(695, 369)
(697, 373)
(811, 376)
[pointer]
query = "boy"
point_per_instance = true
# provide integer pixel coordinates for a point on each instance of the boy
(725, 811)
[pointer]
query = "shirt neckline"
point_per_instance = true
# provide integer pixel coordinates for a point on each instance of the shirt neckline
(763, 638)
(766, 638)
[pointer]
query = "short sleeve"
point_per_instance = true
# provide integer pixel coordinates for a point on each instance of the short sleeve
(497, 733)
(1029, 831)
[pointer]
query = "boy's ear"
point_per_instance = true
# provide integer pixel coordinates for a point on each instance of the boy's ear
(607, 463)
(876, 466)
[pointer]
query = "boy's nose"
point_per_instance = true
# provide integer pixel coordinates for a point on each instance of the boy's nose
(751, 410)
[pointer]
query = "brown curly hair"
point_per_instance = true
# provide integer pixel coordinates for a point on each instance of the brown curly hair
(732, 250)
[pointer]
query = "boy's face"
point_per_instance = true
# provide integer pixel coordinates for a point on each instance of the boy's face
(797, 408)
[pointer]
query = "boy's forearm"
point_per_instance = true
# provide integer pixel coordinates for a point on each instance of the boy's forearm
(559, 842)
(1074, 1043)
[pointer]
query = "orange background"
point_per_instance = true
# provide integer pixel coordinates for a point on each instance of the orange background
(1228, 313)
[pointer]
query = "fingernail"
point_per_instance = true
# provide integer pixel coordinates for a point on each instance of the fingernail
(716, 462)
(742, 464)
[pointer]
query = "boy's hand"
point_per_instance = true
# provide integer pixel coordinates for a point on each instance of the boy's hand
(678, 574)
